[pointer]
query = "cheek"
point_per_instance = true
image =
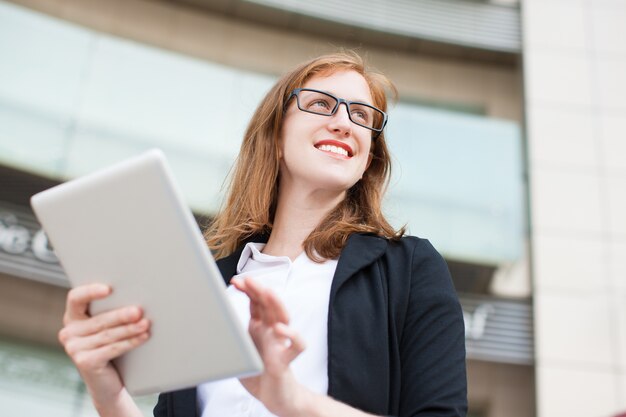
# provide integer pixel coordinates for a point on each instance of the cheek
(369, 160)
(368, 146)
(287, 140)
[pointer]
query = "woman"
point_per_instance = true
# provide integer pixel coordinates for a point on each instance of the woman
(350, 318)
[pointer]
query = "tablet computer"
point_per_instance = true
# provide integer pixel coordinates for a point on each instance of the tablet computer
(127, 226)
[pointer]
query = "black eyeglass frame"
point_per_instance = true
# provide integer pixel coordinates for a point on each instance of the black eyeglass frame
(297, 91)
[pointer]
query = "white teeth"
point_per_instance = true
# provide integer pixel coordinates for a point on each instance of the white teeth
(333, 149)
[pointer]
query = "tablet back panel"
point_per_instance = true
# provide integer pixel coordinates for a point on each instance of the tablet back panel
(127, 226)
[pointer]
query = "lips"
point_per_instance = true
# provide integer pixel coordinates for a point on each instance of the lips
(335, 147)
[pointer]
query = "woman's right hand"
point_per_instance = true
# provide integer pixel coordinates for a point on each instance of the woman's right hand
(92, 342)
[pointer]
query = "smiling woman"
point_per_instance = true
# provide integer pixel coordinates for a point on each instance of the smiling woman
(351, 318)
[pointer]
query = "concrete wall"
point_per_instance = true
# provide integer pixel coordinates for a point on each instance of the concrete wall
(575, 84)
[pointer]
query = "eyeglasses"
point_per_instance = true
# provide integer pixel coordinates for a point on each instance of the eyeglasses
(326, 104)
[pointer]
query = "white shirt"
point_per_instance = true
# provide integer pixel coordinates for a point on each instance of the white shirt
(304, 287)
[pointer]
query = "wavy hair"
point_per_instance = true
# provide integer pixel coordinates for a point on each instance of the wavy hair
(252, 191)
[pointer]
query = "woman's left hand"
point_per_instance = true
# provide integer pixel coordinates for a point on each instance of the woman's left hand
(278, 345)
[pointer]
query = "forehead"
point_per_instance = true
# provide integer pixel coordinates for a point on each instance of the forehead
(344, 84)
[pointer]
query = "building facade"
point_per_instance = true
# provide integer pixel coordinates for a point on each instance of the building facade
(507, 140)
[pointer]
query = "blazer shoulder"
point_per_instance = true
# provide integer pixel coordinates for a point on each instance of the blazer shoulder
(407, 249)
(417, 248)
(417, 259)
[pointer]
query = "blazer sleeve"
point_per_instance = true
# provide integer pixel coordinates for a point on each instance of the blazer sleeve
(432, 346)
(181, 403)
(160, 409)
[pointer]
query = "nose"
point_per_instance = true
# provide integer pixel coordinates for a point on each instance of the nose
(340, 121)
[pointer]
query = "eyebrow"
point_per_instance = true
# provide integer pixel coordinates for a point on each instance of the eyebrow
(336, 95)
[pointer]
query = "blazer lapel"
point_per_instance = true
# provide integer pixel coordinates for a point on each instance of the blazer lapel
(360, 251)
(358, 363)
(228, 265)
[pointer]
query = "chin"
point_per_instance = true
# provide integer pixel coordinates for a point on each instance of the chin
(340, 179)
(338, 186)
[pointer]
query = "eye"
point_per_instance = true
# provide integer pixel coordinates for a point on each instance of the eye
(360, 114)
(320, 104)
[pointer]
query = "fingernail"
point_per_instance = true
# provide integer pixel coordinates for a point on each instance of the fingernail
(102, 288)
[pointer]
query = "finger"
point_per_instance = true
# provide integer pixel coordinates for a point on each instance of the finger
(256, 328)
(106, 337)
(297, 344)
(240, 284)
(257, 298)
(101, 322)
(249, 287)
(255, 311)
(78, 300)
(277, 307)
(101, 356)
(272, 310)
(237, 283)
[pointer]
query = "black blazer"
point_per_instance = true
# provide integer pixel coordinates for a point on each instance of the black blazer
(396, 343)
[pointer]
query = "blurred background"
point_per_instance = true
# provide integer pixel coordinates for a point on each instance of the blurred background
(509, 144)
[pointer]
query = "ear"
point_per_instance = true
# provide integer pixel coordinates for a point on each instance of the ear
(279, 145)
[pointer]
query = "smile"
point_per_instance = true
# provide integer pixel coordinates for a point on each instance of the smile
(335, 147)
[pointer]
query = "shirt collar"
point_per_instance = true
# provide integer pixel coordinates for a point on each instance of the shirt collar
(249, 251)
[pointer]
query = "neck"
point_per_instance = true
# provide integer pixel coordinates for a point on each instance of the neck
(298, 213)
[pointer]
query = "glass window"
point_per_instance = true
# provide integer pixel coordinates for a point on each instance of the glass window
(74, 100)
(458, 181)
